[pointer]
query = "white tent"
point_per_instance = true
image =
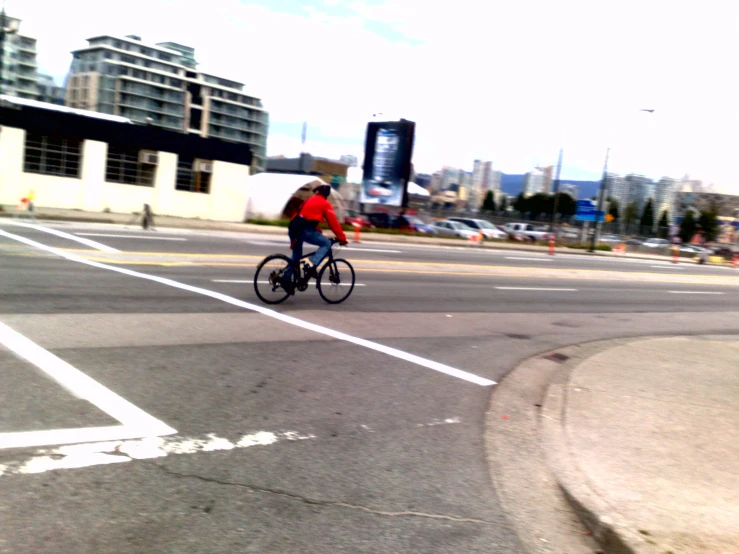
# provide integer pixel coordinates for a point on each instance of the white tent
(269, 193)
(417, 190)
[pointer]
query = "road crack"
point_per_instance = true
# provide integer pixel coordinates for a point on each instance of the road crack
(329, 503)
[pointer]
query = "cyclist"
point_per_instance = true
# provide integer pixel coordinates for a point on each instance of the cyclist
(304, 228)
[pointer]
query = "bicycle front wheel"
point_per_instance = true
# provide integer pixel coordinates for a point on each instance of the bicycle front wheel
(336, 281)
(267, 279)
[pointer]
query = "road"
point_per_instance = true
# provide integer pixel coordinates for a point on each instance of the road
(204, 421)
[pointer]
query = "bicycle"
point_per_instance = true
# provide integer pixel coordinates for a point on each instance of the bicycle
(335, 281)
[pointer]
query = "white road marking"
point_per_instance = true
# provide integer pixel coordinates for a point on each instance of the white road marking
(667, 266)
(267, 282)
(136, 422)
(360, 249)
(412, 358)
(115, 452)
(531, 259)
(129, 236)
(693, 292)
(447, 421)
(535, 288)
(86, 242)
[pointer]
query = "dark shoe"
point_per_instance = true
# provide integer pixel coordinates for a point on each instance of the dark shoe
(311, 272)
(287, 284)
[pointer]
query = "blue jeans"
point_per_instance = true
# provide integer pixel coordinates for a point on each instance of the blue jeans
(311, 236)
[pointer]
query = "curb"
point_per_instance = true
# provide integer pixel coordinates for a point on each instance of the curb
(608, 527)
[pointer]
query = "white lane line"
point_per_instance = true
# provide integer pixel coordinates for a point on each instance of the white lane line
(693, 292)
(360, 249)
(128, 236)
(666, 266)
(535, 288)
(136, 422)
(87, 242)
(117, 451)
(267, 282)
(412, 358)
(530, 259)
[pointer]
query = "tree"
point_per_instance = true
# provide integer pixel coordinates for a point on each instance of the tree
(520, 204)
(687, 227)
(566, 205)
(631, 212)
(647, 216)
(488, 204)
(664, 222)
(613, 209)
(708, 221)
(539, 204)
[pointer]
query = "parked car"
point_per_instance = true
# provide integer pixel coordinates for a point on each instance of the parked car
(634, 242)
(723, 251)
(454, 229)
(413, 223)
(525, 231)
(381, 220)
(489, 230)
(611, 239)
(352, 216)
(656, 243)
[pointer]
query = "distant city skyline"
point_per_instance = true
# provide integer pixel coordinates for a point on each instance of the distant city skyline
(587, 98)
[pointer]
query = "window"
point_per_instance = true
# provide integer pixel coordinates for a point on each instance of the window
(193, 175)
(52, 155)
(165, 57)
(123, 166)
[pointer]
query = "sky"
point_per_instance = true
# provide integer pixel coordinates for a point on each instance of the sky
(506, 81)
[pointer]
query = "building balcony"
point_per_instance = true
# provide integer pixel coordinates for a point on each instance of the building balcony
(151, 94)
(137, 104)
(28, 63)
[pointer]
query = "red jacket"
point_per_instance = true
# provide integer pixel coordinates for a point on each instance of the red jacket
(319, 209)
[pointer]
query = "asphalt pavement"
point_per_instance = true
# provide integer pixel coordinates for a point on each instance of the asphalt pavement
(152, 404)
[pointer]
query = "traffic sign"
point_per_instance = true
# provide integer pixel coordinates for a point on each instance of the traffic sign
(586, 211)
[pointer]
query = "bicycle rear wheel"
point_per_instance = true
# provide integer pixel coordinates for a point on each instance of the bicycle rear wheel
(336, 281)
(267, 279)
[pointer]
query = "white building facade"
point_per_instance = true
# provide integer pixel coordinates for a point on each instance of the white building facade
(71, 161)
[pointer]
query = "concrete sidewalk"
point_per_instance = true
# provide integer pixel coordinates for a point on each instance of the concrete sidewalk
(643, 437)
(58, 214)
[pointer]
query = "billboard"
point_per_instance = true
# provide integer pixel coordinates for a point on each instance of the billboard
(387, 162)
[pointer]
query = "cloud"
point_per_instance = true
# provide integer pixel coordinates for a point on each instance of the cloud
(507, 81)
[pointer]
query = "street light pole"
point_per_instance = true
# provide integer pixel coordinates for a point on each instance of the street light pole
(555, 189)
(603, 181)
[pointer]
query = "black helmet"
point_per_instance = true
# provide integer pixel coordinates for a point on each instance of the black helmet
(323, 190)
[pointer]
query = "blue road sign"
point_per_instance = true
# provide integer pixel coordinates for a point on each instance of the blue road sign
(586, 211)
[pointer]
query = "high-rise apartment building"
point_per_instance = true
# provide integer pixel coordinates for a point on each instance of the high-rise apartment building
(18, 59)
(665, 197)
(534, 182)
(160, 85)
(569, 188)
(450, 176)
(435, 182)
(495, 179)
(548, 171)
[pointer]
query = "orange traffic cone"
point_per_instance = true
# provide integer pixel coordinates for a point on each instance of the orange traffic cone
(357, 229)
(551, 244)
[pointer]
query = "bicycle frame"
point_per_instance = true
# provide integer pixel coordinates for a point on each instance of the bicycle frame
(297, 267)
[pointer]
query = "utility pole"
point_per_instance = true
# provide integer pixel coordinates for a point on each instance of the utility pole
(596, 227)
(2, 45)
(555, 189)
